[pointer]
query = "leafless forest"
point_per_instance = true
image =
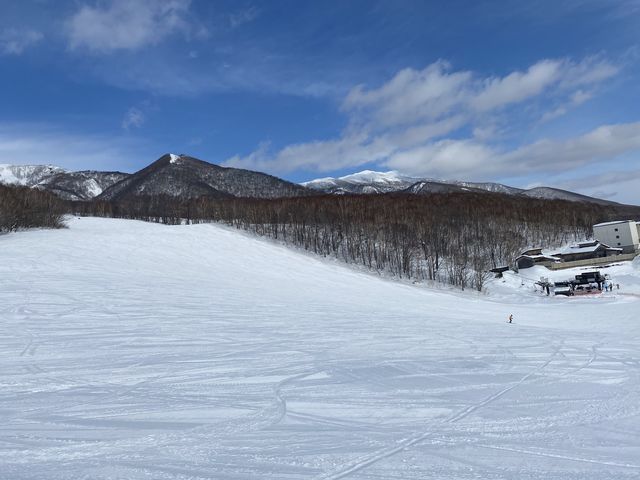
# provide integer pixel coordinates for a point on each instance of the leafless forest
(452, 238)
(23, 207)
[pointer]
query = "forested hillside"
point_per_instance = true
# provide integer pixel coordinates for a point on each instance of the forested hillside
(453, 238)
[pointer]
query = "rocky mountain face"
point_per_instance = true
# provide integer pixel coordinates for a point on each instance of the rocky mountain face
(27, 175)
(387, 182)
(82, 185)
(188, 177)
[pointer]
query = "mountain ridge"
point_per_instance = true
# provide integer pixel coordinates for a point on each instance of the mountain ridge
(371, 182)
(188, 177)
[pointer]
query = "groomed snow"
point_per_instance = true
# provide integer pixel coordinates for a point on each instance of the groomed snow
(132, 350)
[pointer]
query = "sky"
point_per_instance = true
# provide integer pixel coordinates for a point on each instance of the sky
(523, 93)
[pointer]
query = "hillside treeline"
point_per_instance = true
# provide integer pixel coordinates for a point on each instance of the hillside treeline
(23, 207)
(453, 238)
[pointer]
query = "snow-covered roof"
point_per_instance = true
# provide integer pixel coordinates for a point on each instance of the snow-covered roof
(584, 247)
(606, 224)
(541, 256)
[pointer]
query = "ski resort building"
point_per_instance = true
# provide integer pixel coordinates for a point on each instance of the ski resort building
(624, 234)
(591, 252)
(587, 251)
(535, 256)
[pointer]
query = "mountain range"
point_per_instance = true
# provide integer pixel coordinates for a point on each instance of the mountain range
(188, 177)
(369, 181)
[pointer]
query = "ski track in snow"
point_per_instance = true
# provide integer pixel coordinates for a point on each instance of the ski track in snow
(135, 350)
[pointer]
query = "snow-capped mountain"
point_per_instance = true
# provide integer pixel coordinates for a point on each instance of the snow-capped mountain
(369, 181)
(366, 181)
(27, 175)
(188, 177)
(66, 184)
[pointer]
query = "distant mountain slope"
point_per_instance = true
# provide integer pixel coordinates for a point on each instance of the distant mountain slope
(426, 187)
(549, 193)
(27, 175)
(188, 177)
(83, 185)
(491, 187)
(366, 181)
(68, 185)
(386, 182)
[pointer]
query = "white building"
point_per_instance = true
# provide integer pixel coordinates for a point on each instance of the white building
(623, 234)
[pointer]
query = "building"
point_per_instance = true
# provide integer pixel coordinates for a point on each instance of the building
(624, 234)
(586, 251)
(583, 251)
(534, 256)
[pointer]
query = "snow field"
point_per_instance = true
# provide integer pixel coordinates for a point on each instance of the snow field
(134, 350)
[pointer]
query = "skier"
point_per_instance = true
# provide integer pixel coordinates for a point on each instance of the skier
(510, 319)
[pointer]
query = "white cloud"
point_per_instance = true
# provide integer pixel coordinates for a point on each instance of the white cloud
(517, 86)
(577, 98)
(127, 24)
(603, 143)
(133, 118)
(411, 96)
(15, 41)
(404, 124)
(619, 186)
(443, 159)
(471, 159)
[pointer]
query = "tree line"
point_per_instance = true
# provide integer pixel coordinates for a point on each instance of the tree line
(453, 238)
(24, 207)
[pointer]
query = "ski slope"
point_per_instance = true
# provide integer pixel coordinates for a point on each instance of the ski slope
(131, 350)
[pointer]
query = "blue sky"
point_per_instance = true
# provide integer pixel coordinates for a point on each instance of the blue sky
(525, 93)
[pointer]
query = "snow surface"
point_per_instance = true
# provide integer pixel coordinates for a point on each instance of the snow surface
(174, 158)
(133, 350)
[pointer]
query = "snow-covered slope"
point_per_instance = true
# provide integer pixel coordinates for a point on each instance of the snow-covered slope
(27, 175)
(134, 350)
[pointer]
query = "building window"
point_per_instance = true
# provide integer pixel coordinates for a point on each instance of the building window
(617, 236)
(616, 229)
(618, 243)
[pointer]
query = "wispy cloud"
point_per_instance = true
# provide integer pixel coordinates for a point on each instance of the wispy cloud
(418, 122)
(243, 16)
(14, 41)
(128, 25)
(461, 157)
(134, 117)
